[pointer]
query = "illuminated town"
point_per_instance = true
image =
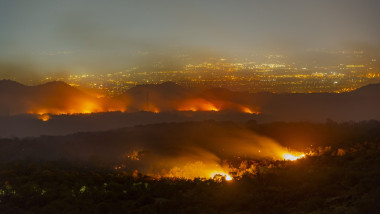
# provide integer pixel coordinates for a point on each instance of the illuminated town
(190, 107)
(274, 73)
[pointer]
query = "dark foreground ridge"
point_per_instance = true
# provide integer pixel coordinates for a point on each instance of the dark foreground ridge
(340, 177)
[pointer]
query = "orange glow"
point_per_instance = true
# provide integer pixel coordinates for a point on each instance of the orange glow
(216, 176)
(89, 107)
(153, 109)
(93, 105)
(197, 105)
(248, 110)
(99, 96)
(114, 109)
(76, 106)
(44, 117)
(292, 157)
(198, 169)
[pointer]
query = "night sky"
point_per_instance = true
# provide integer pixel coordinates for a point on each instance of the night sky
(101, 36)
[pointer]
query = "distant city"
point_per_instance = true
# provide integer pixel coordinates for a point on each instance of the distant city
(321, 71)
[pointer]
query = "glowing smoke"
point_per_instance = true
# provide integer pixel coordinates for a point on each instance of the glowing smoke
(197, 149)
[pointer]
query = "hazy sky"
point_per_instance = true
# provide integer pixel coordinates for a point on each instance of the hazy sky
(93, 35)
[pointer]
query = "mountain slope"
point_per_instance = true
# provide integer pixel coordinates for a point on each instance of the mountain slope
(51, 97)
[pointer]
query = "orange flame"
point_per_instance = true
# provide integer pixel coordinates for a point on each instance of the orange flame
(197, 105)
(292, 157)
(44, 117)
(154, 109)
(216, 176)
(88, 105)
(199, 169)
(248, 110)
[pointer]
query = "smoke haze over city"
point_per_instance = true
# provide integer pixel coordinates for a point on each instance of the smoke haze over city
(40, 38)
(189, 106)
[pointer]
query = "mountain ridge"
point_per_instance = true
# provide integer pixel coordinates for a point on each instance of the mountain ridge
(360, 104)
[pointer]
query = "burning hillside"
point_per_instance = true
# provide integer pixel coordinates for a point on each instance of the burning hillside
(58, 98)
(182, 150)
(207, 164)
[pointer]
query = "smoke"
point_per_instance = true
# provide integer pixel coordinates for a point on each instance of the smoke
(109, 37)
(172, 97)
(188, 150)
(197, 149)
(22, 72)
(60, 98)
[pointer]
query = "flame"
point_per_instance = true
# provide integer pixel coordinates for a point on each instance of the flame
(89, 107)
(76, 107)
(248, 110)
(115, 109)
(228, 177)
(44, 117)
(216, 176)
(152, 108)
(197, 105)
(200, 104)
(155, 110)
(199, 169)
(291, 157)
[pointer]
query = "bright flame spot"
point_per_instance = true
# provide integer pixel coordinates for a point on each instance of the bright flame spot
(197, 105)
(115, 109)
(248, 110)
(153, 109)
(89, 107)
(228, 178)
(218, 175)
(288, 156)
(44, 117)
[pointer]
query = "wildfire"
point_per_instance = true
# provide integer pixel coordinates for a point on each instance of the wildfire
(288, 156)
(219, 175)
(82, 107)
(248, 110)
(154, 109)
(44, 117)
(198, 169)
(89, 107)
(197, 105)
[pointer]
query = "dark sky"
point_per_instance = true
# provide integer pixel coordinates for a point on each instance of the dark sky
(91, 35)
